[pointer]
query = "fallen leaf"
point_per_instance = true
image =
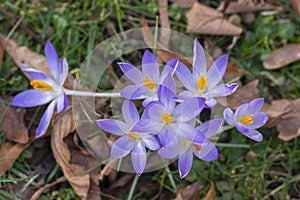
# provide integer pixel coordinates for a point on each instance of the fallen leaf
(283, 56)
(162, 52)
(75, 174)
(9, 153)
(26, 56)
(243, 94)
(12, 125)
(40, 191)
(165, 31)
(211, 193)
(296, 6)
(245, 7)
(184, 3)
(289, 126)
(205, 20)
(191, 192)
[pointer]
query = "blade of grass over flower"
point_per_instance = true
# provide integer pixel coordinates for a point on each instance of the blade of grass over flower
(133, 186)
(91, 135)
(233, 145)
(155, 36)
(170, 176)
(234, 80)
(29, 182)
(92, 94)
(117, 52)
(96, 166)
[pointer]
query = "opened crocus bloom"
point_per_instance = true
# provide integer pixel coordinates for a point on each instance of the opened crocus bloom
(146, 83)
(247, 118)
(203, 83)
(46, 89)
(133, 138)
(185, 149)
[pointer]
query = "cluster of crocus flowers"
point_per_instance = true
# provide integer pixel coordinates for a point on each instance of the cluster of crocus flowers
(169, 123)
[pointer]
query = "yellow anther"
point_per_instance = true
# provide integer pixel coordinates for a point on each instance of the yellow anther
(247, 120)
(202, 82)
(166, 117)
(149, 83)
(132, 135)
(41, 85)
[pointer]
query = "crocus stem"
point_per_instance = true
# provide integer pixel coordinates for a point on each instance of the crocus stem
(171, 179)
(134, 183)
(91, 94)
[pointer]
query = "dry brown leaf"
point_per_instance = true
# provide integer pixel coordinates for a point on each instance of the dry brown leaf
(184, 3)
(162, 52)
(211, 193)
(40, 191)
(283, 56)
(164, 22)
(191, 192)
(236, 7)
(9, 153)
(13, 125)
(75, 174)
(205, 20)
(26, 56)
(289, 126)
(243, 94)
(296, 6)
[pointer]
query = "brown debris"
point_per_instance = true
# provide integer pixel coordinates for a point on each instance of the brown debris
(237, 7)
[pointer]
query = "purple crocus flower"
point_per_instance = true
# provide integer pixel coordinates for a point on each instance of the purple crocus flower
(146, 83)
(172, 120)
(247, 118)
(46, 89)
(133, 138)
(202, 83)
(185, 149)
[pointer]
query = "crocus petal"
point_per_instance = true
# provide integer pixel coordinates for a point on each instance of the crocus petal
(185, 162)
(210, 102)
(62, 102)
(208, 152)
(242, 128)
(229, 116)
(199, 61)
(172, 150)
(254, 135)
(155, 110)
(188, 109)
(115, 127)
(146, 126)
(254, 106)
(150, 66)
(223, 90)
(52, 59)
(31, 98)
(166, 136)
(170, 68)
(216, 71)
(149, 99)
(167, 97)
(211, 127)
(240, 111)
(151, 143)
(134, 92)
(259, 119)
(185, 76)
(122, 147)
(138, 157)
(45, 120)
(169, 83)
(130, 112)
(188, 132)
(185, 95)
(63, 69)
(132, 73)
(36, 74)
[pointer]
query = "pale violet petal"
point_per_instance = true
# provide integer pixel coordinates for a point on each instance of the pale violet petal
(216, 71)
(229, 116)
(211, 127)
(52, 59)
(207, 152)
(150, 66)
(132, 73)
(185, 162)
(185, 76)
(138, 156)
(199, 60)
(115, 127)
(31, 98)
(63, 71)
(130, 113)
(45, 120)
(122, 147)
(259, 119)
(62, 102)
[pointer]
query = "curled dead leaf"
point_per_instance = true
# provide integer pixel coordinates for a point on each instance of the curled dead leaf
(13, 125)
(205, 20)
(283, 56)
(245, 7)
(191, 192)
(211, 193)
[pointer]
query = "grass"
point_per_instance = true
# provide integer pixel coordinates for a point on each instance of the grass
(270, 169)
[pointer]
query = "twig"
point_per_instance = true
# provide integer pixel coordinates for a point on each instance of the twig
(15, 27)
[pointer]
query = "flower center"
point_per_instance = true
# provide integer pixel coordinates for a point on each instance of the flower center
(149, 83)
(198, 148)
(202, 82)
(247, 120)
(166, 117)
(41, 85)
(132, 135)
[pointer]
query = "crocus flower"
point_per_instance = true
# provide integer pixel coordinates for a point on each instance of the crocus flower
(203, 83)
(133, 139)
(247, 118)
(147, 82)
(172, 120)
(46, 89)
(185, 149)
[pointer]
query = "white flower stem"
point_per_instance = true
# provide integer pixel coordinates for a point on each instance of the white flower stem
(91, 94)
